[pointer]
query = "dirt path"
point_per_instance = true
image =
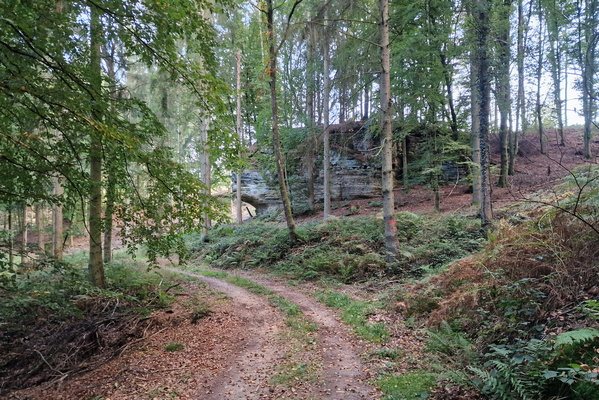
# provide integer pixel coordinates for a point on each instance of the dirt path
(252, 364)
(344, 375)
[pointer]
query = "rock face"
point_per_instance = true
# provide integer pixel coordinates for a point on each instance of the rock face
(256, 190)
(355, 164)
(355, 172)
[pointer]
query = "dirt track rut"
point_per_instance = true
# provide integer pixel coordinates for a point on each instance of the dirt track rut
(344, 377)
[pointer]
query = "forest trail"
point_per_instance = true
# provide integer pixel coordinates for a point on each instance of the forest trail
(343, 376)
(241, 350)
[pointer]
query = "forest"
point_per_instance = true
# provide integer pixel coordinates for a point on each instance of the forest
(204, 198)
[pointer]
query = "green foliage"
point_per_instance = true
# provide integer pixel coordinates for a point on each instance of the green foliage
(410, 386)
(355, 314)
(578, 337)
(174, 346)
(248, 284)
(347, 249)
(514, 372)
(573, 370)
(590, 308)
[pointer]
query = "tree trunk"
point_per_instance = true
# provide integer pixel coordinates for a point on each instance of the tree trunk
(10, 238)
(24, 234)
(311, 122)
(272, 74)
(205, 172)
(482, 48)
(449, 87)
(554, 55)
(503, 88)
(240, 134)
(588, 62)
(326, 114)
(39, 222)
(108, 215)
(475, 115)
(391, 239)
(539, 106)
(96, 265)
(57, 231)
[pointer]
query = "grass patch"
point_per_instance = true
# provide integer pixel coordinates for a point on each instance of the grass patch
(174, 346)
(355, 314)
(411, 386)
(249, 285)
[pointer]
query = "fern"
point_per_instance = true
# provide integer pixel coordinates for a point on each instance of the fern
(513, 372)
(575, 337)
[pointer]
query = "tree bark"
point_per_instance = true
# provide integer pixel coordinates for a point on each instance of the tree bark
(588, 42)
(240, 134)
(272, 74)
(205, 171)
(539, 105)
(391, 238)
(10, 238)
(24, 234)
(326, 115)
(475, 115)
(39, 222)
(503, 88)
(96, 264)
(482, 48)
(57, 228)
(555, 56)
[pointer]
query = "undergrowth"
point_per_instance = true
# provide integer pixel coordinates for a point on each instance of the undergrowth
(347, 249)
(355, 314)
(66, 320)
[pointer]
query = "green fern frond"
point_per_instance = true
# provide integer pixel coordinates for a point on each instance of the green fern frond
(576, 337)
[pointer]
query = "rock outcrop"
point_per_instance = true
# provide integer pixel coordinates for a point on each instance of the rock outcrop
(355, 172)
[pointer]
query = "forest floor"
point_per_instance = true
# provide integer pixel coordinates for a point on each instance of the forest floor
(246, 348)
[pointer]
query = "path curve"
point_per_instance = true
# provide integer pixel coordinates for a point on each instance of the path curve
(345, 376)
(247, 375)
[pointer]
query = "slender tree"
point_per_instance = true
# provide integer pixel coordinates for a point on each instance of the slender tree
(271, 72)
(503, 85)
(481, 13)
(391, 238)
(239, 125)
(326, 148)
(96, 264)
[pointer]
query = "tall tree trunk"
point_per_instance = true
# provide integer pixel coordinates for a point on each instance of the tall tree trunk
(39, 222)
(475, 98)
(503, 88)
(484, 88)
(553, 28)
(108, 215)
(24, 234)
(240, 134)
(272, 74)
(366, 113)
(539, 105)
(205, 171)
(391, 239)
(57, 228)
(10, 238)
(96, 265)
(326, 114)
(588, 62)
(449, 87)
(521, 101)
(310, 113)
